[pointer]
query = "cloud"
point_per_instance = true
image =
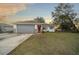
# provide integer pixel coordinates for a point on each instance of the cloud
(13, 20)
(10, 9)
(7, 9)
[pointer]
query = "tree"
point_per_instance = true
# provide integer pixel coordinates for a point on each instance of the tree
(40, 20)
(64, 15)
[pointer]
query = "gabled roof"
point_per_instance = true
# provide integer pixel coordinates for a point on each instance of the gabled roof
(28, 22)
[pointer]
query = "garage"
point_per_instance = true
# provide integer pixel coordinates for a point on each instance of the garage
(29, 27)
(25, 28)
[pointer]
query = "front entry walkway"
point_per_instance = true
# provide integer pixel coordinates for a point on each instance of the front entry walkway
(8, 44)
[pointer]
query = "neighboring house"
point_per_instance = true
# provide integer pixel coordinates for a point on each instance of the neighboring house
(29, 27)
(6, 27)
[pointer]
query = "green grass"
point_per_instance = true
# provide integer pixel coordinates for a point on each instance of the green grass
(48, 44)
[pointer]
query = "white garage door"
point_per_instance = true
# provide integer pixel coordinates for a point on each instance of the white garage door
(25, 28)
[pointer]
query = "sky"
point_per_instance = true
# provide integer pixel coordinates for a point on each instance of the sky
(21, 12)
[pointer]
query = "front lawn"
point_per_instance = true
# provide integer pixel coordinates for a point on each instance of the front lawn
(48, 44)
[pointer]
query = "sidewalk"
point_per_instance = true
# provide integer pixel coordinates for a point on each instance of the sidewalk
(9, 44)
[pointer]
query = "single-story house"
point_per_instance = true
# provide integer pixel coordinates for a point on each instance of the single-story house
(29, 27)
(6, 27)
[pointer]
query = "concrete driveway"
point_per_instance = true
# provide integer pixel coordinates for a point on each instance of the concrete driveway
(10, 43)
(7, 35)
